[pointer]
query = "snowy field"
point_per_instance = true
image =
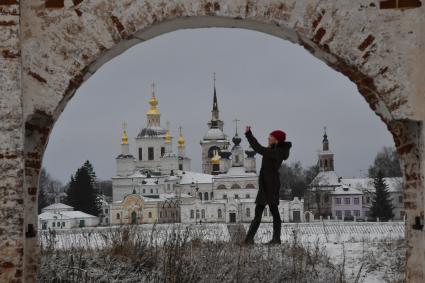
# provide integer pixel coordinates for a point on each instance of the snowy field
(365, 252)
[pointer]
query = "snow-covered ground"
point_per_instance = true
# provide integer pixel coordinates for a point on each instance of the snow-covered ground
(366, 252)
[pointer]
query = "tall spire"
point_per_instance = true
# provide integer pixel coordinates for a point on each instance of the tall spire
(215, 104)
(325, 141)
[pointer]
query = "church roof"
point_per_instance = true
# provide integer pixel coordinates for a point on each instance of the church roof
(214, 134)
(57, 206)
(346, 190)
(152, 131)
(326, 178)
(394, 184)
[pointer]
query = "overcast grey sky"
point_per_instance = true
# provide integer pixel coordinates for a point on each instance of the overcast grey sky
(263, 81)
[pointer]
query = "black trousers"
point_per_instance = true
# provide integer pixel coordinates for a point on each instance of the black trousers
(277, 222)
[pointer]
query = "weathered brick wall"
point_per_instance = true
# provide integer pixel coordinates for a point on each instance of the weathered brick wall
(377, 44)
(11, 145)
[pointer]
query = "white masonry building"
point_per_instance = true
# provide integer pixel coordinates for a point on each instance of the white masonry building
(225, 191)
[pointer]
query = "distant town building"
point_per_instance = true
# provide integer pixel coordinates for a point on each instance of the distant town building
(61, 216)
(346, 198)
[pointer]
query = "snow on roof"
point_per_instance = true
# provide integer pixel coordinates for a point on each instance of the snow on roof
(236, 172)
(188, 177)
(51, 216)
(326, 178)
(76, 214)
(395, 184)
(57, 206)
(346, 190)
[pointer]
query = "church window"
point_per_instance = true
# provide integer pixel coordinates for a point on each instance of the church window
(162, 151)
(326, 163)
(250, 186)
(150, 153)
(106, 210)
(63, 224)
(150, 214)
(346, 200)
(118, 216)
(248, 212)
(140, 153)
(265, 211)
(211, 195)
(151, 191)
(221, 187)
(247, 196)
(347, 213)
(224, 196)
(235, 187)
(197, 213)
(356, 200)
(321, 163)
(338, 214)
(326, 198)
(205, 196)
(338, 200)
(236, 196)
(220, 215)
(192, 214)
(144, 191)
(331, 163)
(237, 159)
(203, 213)
(180, 166)
(200, 196)
(59, 224)
(54, 223)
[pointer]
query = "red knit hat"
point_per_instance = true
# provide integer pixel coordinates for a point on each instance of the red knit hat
(279, 135)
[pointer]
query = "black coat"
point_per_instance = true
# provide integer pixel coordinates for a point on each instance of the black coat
(269, 181)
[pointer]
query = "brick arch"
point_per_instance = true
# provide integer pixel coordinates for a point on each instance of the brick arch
(55, 45)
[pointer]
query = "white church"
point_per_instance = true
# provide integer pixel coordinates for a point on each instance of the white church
(223, 193)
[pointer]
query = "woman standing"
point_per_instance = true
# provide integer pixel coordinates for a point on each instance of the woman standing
(269, 182)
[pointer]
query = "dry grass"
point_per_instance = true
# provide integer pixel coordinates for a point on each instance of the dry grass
(183, 256)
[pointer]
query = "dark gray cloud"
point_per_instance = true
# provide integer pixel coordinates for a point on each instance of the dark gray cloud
(264, 81)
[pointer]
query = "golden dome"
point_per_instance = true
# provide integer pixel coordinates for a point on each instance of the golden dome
(153, 103)
(168, 136)
(216, 158)
(124, 137)
(181, 140)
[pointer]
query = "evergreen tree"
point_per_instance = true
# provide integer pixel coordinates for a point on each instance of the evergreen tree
(381, 204)
(81, 193)
(90, 170)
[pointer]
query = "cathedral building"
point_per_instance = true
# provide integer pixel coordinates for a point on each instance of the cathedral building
(158, 186)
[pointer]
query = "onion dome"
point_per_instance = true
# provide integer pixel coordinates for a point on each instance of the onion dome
(154, 103)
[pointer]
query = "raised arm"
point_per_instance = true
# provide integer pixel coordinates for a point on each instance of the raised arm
(264, 151)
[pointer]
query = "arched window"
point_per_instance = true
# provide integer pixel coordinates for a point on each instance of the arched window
(192, 214)
(200, 196)
(326, 163)
(250, 186)
(150, 214)
(211, 151)
(212, 195)
(197, 213)
(205, 196)
(118, 216)
(248, 212)
(203, 213)
(235, 187)
(220, 215)
(221, 187)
